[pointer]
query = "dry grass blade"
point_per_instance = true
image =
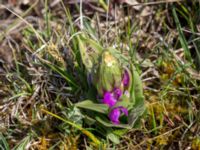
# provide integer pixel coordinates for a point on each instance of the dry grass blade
(157, 2)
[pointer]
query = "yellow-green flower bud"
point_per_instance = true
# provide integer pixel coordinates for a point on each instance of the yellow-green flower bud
(108, 74)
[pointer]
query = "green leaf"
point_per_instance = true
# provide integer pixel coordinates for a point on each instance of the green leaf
(89, 29)
(88, 104)
(95, 45)
(97, 50)
(84, 55)
(114, 138)
(136, 89)
(75, 114)
(120, 132)
(135, 114)
(89, 120)
(107, 123)
(123, 102)
(124, 60)
(137, 98)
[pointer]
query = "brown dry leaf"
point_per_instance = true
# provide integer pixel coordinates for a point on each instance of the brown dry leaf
(6, 57)
(136, 5)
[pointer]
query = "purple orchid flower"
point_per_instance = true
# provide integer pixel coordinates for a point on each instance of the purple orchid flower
(109, 99)
(117, 93)
(126, 78)
(115, 114)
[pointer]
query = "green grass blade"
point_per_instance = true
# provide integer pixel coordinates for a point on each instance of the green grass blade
(22, 145)
(181, 36)
(64, 74)
(27, 84)
(3, 143)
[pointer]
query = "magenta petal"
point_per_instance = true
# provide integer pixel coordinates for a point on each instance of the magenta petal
(109, 99)
(117, 93)
(115, 114)
(124, 110)
(126, 78)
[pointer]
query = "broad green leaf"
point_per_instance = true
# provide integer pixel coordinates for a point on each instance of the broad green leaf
(136, 89)
(135, 114)
(88, 104)
(89, 120)
(107, 123)
(114, 138)
(137, 98)
(120, 132)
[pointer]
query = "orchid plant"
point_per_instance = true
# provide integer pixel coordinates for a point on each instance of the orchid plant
(119, 97)
(112, 83)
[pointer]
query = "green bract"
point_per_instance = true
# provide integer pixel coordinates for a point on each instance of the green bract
(107, 74)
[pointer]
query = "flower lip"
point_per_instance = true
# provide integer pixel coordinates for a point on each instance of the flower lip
(109, 99)
(117, 93)
(124, 110)
(114, 115)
